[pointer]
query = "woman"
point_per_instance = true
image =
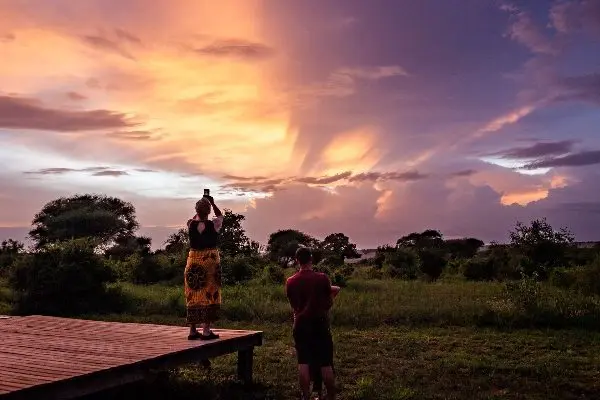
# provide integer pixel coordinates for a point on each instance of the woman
(203, 270)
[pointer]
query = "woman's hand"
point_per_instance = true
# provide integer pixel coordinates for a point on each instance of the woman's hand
(211, 199)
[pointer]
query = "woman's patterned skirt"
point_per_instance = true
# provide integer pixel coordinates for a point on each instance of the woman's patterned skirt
(203, 286)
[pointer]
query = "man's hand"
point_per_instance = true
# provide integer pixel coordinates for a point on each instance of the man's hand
(335, 290)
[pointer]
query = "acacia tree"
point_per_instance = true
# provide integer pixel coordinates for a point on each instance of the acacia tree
(337, 248)
(10, 250)
(98, 217)
(543, 247)
(282, 245)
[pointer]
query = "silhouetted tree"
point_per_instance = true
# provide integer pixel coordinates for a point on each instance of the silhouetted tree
(543, 247)
(463, 248)
(101, 218)
(282, 245)
(337, 247)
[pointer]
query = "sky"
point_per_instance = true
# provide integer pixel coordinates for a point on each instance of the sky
(372, 118)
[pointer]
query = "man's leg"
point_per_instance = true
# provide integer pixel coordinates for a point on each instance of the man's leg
(304, 380)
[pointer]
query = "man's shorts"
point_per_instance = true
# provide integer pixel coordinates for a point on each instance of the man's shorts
(314, 344)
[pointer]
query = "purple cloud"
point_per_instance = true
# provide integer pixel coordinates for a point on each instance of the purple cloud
(538, 150)
(237, 48)
(24, 113)
(580, 159)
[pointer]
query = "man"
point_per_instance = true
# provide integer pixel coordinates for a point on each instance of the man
(311, 296)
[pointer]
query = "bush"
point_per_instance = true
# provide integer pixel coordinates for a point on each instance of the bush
(69, 278)
(479, 269)
(432, 263)
(273, 274)
(588, 278)
(372, 272)
(402, 263)
(564, 278)
(239, 268)
(524, 294)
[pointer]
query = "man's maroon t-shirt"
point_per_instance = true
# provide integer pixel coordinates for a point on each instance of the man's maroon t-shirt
(309, 293)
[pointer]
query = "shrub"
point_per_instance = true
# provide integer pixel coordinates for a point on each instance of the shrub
(273, 274)
(564, 278)
(479, 269)
(402, 263)
(63, 279)
(239, 268)
(372, 272)
(588, 278)
(524, 294)
(432, 263)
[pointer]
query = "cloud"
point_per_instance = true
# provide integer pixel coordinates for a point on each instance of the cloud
(584, 88)
(104, 44)
(342, 82)
(537, 150)
(7, 37)
(75, 96)
(132, 135)
(525, 30)
(580, 159)
(463, 173)
(127, 36)
(110, 172)
(576, 16)
(237, 48)
(325, 180)
(61, 170)
(388, 176)
(25, 113)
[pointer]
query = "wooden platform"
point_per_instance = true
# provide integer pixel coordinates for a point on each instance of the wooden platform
(61, 358)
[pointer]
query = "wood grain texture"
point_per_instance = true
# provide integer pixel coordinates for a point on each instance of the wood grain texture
(51, 357)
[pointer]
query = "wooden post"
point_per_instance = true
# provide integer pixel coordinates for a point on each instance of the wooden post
(244, 365)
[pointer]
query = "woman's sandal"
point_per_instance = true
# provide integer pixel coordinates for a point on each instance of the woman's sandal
(210, 336)
(194, 336)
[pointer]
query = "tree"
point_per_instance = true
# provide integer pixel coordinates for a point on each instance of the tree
(177, 242)
(543, 247)
(282, 245)
(425, 240)
(463, 248)
(99, 217)
(232, 237)
(125, 246)
(9, 252)
(337, 247)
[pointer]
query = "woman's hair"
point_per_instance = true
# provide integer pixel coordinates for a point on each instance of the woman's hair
(203, 208)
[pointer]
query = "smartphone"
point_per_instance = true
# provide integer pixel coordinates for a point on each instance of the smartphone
(206, 192)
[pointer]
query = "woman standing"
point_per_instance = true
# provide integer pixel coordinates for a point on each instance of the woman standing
(203, 270)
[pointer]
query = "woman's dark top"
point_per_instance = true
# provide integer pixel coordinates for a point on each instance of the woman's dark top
(205, 240)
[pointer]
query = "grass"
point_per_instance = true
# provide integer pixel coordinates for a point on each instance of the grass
(395, 340)
(391, 302)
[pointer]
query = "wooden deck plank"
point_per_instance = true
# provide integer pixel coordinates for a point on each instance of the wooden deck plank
(51, 357)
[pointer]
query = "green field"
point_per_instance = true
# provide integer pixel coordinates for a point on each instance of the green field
(396, 340)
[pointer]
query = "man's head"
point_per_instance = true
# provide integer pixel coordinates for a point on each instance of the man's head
(304, 256)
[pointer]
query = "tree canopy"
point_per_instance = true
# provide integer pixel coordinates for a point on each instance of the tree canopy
(99, 217)
(282, 245)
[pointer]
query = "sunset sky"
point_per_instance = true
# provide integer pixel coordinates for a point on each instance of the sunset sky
(373, 118)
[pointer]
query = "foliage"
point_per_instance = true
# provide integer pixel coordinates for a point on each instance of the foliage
(463, 248)
(83, 216)
(542, 246)
(177, 242)
(432, 263)
(402, 263)
(427, 239)
(479, 269)
(10, 250)
(125, 246)
(381, 254)
(63, 279)
(524, 293)
(588, 279)
(232, 237)
(337, 248)
(273, 274)
(239, 268)
(282, 245)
